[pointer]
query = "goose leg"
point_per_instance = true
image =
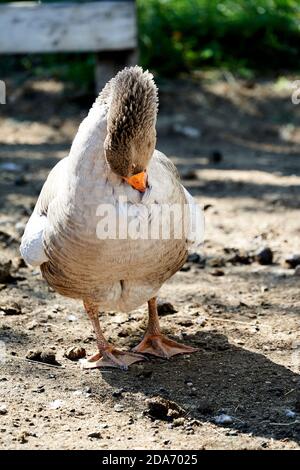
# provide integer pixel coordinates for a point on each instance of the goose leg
(108, 355)
(154, 342)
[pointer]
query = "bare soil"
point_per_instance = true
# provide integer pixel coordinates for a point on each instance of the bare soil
(242, 162)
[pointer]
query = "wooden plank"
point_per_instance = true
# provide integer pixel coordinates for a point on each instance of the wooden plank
(30, 27)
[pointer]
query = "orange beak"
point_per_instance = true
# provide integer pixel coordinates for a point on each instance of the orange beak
(138, 181)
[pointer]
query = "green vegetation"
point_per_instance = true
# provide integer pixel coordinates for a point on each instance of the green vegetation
(175, 36)
(259, 35)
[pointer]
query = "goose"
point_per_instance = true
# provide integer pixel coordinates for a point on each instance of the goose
(89, 231)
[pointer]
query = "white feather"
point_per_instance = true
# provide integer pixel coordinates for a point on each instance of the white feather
(32, 249)
(196, 223)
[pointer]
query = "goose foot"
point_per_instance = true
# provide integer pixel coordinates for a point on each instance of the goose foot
(111, 357)
(161, 346)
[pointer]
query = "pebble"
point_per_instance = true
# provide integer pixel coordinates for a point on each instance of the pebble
(188, 174)
(72, 318)
(292, 261)
(32, 325)
(95, 435)
(223, 419)
(289, 413)
(75, 352)
(201, 321)
(119, 408)
(3, 410)
(55, 405)
(11, 308)
(47, 357)
(185, 268)
(264, 288)
(217, 273)
(264, 256)
(103, 426)
(118, 392)
(178, 422)
(194, 258)
(165, 308)
(163, 409)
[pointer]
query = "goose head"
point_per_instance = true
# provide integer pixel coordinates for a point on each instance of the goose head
(131, 120)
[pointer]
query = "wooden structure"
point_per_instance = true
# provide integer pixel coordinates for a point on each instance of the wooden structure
(106, 27)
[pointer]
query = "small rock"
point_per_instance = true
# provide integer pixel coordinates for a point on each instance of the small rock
(95, 435)
(163, 409)
(223, 419)
(48, 357)
(195, 258)
(292, 261)
(264, 288)
(165, 308)
(232, 432)
(201, 321)
(118, 392)
(185, 322)
(39, 389)
(289, 413)
(55, 405)
(187, 131)
(217, 273)
(185, 268)
(239, 256)
(103, 426)
(178, 422)
(119, 408)
(75, 352)
(3, 410)
(10, 308)
(264, 256)
(188, 174)
(72, 318)
(32, 325)
(22, 437)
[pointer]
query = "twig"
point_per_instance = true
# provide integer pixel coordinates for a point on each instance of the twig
(285, 424)
(45, 364)
(232, 321)
(290, 391)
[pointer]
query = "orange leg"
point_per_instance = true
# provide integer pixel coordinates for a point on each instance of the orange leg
(108, 355)
(154, 342)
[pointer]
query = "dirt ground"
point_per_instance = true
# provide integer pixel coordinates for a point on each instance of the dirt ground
(236, 145)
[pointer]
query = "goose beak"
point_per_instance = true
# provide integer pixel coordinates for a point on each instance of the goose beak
(138, 181)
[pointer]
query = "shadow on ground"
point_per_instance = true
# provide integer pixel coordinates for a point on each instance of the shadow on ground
(255, 391)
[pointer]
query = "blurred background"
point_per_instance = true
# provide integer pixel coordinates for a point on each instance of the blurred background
(228, 74)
